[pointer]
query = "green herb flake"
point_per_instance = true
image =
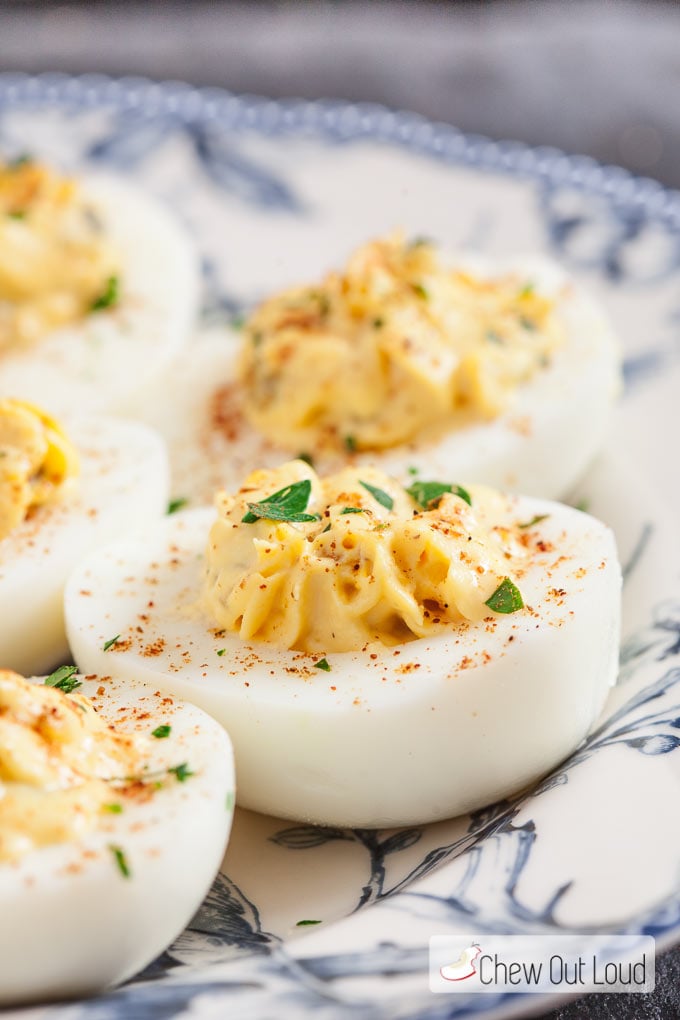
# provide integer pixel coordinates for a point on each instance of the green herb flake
(420, 242)
(113, 809)
(351, 510)
(527, 324)
(506, 598)
(110, 643)
(582, 505)
(307, 458)
(305, 923)
(534, 520)
(413, 470)
(237, 321)
(287, 504)
(181, 772)
(21, 160)
(177, 504)
(108, 297)
(527, 290)
(493, 337)
(327, 528)
(221, 651)
(161, 732)
(378, 323)
(420, 291)
(350, 444)
(380, 495)
(64, 679)
(120, 860)
(17, 214)
(257, 337)
(229, 801)
(428, 494)
(323, 664)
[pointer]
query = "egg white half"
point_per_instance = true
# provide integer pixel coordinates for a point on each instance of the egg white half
(556, 424)
(390, 736)
(123, 484)
(100, 362)
(70, 922)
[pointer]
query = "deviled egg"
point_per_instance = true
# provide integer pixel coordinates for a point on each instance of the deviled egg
(61, 496)
(115, 808)
(379, 655)
(501, 373)
(98, 288)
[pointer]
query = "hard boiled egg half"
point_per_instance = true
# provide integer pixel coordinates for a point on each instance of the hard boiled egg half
(115, 807)
(98, 288)
(496, 372)
(62, 495)
(379, 656)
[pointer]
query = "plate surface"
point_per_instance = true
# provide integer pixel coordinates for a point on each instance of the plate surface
(274, 192)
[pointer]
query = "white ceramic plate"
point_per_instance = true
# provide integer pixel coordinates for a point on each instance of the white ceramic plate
(274, 191)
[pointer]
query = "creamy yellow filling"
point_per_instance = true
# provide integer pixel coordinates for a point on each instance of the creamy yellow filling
(396, 344)
(37, 462)
(56, 263)
(55, 757)
(372, 564)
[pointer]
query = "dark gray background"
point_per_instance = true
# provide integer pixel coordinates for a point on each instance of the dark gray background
(589, 76)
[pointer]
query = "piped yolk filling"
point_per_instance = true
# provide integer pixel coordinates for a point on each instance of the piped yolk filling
(56, 263)
(38, 463)
(57, 760)
(356, 559)
(395, 345)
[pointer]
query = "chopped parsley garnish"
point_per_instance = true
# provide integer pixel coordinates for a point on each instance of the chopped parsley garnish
(534, 520)
(237, 321)
(114, 809)
(327, 528)
(350, 444)
(108, 297)
(413, 470)
(324, 665)
(351, 510)
(176, 504)
(21, 160)
(302, 924)
(110, 643)
(382, 497)
(506, 598)
(378, 323)
(17, 214)
(161, 731)
(307, 457)
(527, 323)
(420, 242)
(420, 291)
(527, 290)
(287, 504)
(257, 337)
(428, 494)
(182, 772)
(221, 651)
(121, 861)
(582, 505)
(229, 801)
(493, 337)
(64, 679)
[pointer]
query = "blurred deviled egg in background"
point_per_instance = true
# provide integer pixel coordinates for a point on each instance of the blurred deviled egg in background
(98, 287)
(115, 811)
(63, 494)
(503, 373)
